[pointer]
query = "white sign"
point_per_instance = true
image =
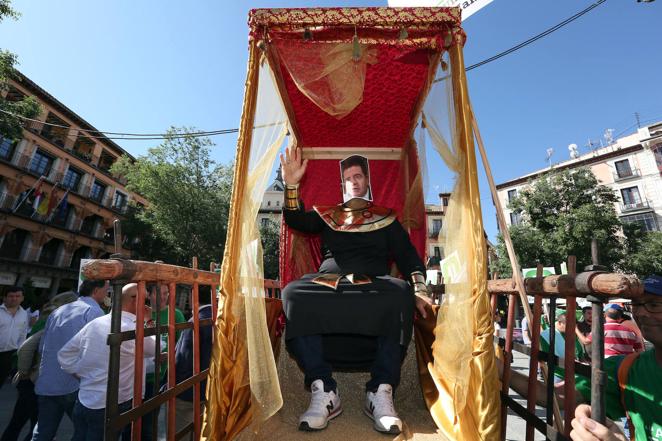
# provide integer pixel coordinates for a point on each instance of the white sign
(469, 7)
(40, 282)
(7, 278)
(81, 277)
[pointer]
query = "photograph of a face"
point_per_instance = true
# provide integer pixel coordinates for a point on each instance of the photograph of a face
(355, 178)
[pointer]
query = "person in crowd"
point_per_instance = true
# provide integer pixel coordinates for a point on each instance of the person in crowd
(153, 381)
(497, 322)
(352, 293)
(14, 326)
(184, 360)
(631, 389)
(56, 389)
(86, 358)
(559, 343)
(583, 331)
(619, 338)
(27, 365)
(526, 331)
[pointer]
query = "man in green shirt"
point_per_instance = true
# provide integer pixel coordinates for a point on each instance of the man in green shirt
(152, 383)
(639, 395)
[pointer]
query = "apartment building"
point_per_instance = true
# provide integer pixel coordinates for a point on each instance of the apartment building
(434, 219)
(631, 166)
(58, 199)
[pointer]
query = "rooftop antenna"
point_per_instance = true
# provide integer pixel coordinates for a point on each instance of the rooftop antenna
(638, 118)
(550, 152)
(609, 136)
(591, 144)
(572, 148)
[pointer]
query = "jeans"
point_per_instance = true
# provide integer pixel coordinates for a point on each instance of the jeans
(25, 410)
(309, 353)
(51, 411)
(89, 424)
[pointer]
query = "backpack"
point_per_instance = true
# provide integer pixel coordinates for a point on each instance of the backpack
(623, 373)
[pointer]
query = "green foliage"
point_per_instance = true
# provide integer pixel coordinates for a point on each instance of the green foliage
(7, 11)
(563, 212)
(646, 257)
(11, 125)
(270, 234)
(189, 196)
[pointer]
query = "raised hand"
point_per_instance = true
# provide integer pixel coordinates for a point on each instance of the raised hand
(292, 165)
(586, 429)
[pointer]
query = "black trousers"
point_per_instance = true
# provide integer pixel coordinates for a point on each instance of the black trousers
(25, 410)
(308, 351)
(6, 365)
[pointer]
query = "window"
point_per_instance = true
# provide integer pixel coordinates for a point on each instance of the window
(657, 151)
(6, 148)
(436, 227)
(119, 203)
(646, 220)
(512, 194)
(89, 225)
(41, 163)
(264, 222)
(444, 201)
(437, 252)
(97, 191)
(277, 203)
(623, 169)
(268, 203)
(631, 197)
(72, 179)
(516, 218)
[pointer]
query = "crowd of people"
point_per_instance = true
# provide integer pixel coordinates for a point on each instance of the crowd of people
(59, 364)
(633, 364)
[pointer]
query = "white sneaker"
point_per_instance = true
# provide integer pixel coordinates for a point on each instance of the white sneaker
(379, 407)
(324, 406)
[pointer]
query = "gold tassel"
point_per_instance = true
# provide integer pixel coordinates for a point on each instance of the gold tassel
(356, 47)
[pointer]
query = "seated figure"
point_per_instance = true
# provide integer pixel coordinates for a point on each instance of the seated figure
(352, 293)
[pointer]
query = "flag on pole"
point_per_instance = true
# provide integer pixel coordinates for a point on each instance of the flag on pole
(37, 197)
(42, 209)
(27, 193)
(63, 205)
(52, 203)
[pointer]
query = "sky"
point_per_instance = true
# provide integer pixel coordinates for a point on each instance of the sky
(143, 66)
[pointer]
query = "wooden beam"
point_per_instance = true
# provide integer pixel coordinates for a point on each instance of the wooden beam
(338, 153)
(136, 270)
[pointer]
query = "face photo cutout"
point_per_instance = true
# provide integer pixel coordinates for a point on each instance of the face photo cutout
(355, 178)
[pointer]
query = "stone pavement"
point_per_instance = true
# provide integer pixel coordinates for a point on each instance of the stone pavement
(8, 399)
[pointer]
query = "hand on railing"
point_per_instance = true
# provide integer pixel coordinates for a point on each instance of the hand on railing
(585, 429)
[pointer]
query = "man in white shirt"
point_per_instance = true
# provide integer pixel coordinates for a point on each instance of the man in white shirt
(14, 324)
(86, 356)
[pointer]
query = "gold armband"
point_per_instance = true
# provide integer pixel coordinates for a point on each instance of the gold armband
(291, 197)
(420, 287)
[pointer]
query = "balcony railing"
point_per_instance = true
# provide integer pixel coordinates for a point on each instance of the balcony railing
(120, 207)
(627, 174)
(642, 205)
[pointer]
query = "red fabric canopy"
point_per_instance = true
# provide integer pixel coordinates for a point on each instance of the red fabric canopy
(407, 41)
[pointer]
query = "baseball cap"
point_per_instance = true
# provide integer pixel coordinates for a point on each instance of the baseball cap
(653, 285)
(615, 306)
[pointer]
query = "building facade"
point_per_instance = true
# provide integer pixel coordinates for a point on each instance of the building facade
(631, 166)
(272, 201)
(58, 199)
(434, 219)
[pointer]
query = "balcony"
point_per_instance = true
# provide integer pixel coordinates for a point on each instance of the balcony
(120, 207)
(636, 206)
(627, 174)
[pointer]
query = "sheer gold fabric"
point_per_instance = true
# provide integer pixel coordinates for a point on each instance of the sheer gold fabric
(467, 404)
(331, 75)
(243, 384)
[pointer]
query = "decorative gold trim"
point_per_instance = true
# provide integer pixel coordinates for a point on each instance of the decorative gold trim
(291, 197)
(383, 153)
(355, 220)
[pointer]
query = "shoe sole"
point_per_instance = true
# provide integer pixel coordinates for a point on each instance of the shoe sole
(394, 430)
(305, 427)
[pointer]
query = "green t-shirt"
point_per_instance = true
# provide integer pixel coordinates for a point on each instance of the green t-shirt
(179, 318)
(643, 394)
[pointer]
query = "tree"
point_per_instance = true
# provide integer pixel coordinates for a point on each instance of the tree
(646, 258)
(189, 197)
(270, 234)
(562, 212)
(12, 112)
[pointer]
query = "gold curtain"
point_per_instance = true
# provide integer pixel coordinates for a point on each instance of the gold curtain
(467, 406)
(243, 388)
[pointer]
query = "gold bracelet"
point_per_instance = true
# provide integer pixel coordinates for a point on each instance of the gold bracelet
(291, 197)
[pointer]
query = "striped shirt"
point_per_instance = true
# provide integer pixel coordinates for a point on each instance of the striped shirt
(620, 340)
